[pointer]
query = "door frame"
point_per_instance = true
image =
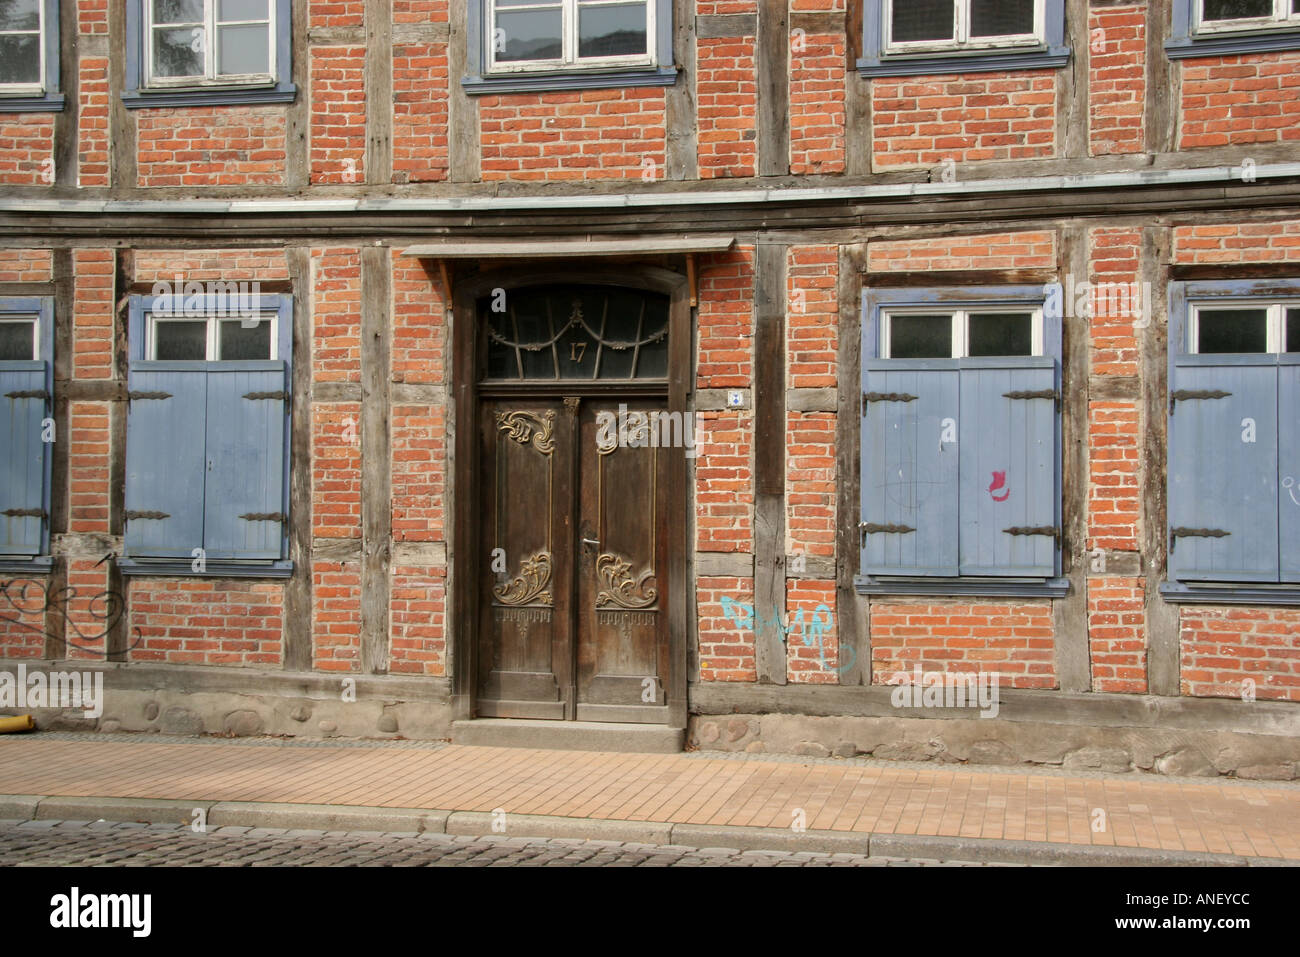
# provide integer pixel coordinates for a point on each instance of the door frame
(463, 544)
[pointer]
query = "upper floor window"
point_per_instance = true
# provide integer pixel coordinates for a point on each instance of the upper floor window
(207, 52)
(210, 41)
(1234, 439)
(568, 44)
(1230, 27)
(910, 37)
(961, 476)
(29, 56)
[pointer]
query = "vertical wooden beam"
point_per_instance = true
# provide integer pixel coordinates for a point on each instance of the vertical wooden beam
(679, 100)
(852, 609)
(773, 64)
(123, 171)
(376, 468)
(64, 296)
(297, 174)
(1070, 614)
(66, 144)
(379, 92)
(464, 160)
(1072, 85)
(123, 272)
(680, 376)
(1164, 81)
(1162, 618)
(298, 589)
(462, 542)
(769, 462)
(857, 100)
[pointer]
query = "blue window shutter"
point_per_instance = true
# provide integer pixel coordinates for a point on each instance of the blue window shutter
(23, 456)
(245, 460)
(1288, 453)
(909, 478)
(1217, 481)
(1010, 505)
(164, 459)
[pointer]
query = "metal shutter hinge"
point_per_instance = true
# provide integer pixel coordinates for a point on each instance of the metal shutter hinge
(281, 396)
(24, 512)
(28, 394)
(148, 395)
(1185, 394)
(1051, 531)
(264, 517)
(868, 397)
(133, 515)
(1036, 394)
(1181, 532)
(871, 528)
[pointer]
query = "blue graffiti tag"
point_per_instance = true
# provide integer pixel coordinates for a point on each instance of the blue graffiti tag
(819, 624)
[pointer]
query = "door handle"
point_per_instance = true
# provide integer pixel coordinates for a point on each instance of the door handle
(591, 541)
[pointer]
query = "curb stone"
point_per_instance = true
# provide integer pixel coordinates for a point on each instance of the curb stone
(247, 816)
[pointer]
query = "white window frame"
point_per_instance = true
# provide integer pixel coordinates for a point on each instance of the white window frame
(569, 39)
(39, 85)
(961, 32)
(211, 77)
(35, 323)
(1281, 17)
(1276, 309)
(960, 337)
(211, 333)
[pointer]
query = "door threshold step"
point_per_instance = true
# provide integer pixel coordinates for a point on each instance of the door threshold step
(568, 735)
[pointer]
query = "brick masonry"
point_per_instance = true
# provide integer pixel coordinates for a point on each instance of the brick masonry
(27, 149)
(211, 146)
(211, 621)
(1224, 647)
(1240, 100)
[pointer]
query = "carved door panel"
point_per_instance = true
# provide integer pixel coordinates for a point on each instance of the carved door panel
(622, 562)
(526, 554)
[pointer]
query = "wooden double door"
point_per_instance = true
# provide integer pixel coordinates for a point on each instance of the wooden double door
(574, 528)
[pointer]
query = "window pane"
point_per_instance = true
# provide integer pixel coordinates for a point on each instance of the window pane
(177, 11)
(20, 58)
(1237, 9)
(1001, 334)
(18, 340)
(20, 15)
(920, 337)
(228, 10)
(1292, 327)
(529, 35)
(181, 340)
(612, 31)
(243, 50)
(1232, 330)
(246, 342)
(1000, 18)
(916, 20)
(172, 53)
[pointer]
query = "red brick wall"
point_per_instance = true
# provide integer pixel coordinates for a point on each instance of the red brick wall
(726, 323)
(419, 324)
(587, 134)
(84, 610)
(27, 149)
(817, 116)
(336, 13)
(1117, 634)
(92, 122)
(810, 483)
(336, 470)
(418, 621)
(1114, 503)
(726, 651)
(923, 120)
(336, 315)
(88, 488)
(1016, 641)
(211, 146)
(420, 95)
(336, 616)
(726, 88)
(1116, 79)
(26, 265)
(1232, 243)
(1115, 254)
(200, 265)
(92, 16)
(338, 114)
(1027, 250)
(207, 621)
(724, 484)
(812, 316)
(22, 617)
(812, 644)
(419, 444)
(419, 11)
(1223, 646)
(1237, 100)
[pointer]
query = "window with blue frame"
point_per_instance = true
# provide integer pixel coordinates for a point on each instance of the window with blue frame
(1234, 440)
(961, 442)
(909, 37)
(207, 52)
(1228, 27)
(207, 449)
(26, 431)
(520, 45)
(29, 56)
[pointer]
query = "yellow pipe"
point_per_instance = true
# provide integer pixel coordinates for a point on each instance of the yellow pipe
(23, 722)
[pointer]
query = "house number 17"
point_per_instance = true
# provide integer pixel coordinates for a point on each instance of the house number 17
(576, 351)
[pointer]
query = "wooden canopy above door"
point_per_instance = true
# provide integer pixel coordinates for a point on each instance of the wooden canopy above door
(561, 248)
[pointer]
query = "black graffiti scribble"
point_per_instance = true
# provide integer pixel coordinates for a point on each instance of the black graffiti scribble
(28, 597)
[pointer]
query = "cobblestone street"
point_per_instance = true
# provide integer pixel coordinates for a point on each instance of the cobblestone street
(88, 844)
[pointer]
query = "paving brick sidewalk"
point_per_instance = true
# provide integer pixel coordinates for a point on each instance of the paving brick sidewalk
(735, 795)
